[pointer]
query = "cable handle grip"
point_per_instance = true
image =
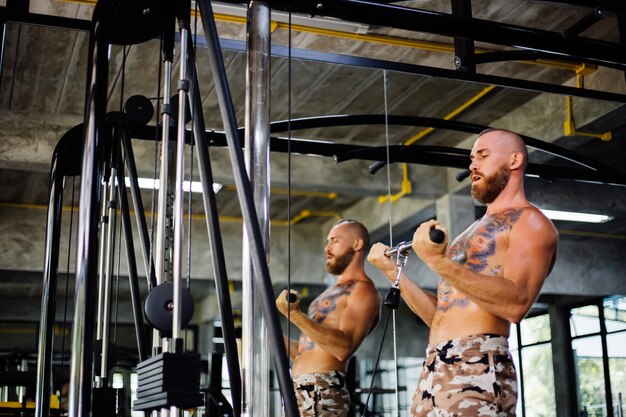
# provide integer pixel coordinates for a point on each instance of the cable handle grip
(436, 236)
(291, 297)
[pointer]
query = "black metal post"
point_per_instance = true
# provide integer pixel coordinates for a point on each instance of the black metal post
(64, 162)
(215, 238)
(81, 371)
(133, 279)
(463, 47)
(261, 269)
(140, 217)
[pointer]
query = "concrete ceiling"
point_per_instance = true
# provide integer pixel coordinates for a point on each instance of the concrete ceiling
(399, 73)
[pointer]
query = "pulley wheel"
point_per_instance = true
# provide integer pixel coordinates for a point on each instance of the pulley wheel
(139, 109)
(159, 307)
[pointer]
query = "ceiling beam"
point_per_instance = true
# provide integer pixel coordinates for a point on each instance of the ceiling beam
(413, 19)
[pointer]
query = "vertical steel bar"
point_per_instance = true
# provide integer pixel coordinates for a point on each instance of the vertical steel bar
(256, 154)
(109, 261)
(179, 198)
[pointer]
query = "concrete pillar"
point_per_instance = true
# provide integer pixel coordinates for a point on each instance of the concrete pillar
(563, 362)
(455, 212)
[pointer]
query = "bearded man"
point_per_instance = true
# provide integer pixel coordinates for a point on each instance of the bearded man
(491, 274)
(337, 322)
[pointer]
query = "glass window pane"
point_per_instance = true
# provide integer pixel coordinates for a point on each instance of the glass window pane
(535, 330)
(615, 314)
(617, 371)
(588, 360)
(539, 399)
(584, 320)
(515, 354)
(513, 338)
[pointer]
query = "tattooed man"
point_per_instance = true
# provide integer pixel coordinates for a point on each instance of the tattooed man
(336, 324)
(490, 276)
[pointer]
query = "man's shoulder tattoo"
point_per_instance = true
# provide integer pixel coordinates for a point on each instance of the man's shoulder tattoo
(473, 247)
(326, 302)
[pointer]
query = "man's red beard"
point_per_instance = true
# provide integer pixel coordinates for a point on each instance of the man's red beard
(492, 186)
(340, 263)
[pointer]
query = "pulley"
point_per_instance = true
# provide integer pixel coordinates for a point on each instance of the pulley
(159, 307)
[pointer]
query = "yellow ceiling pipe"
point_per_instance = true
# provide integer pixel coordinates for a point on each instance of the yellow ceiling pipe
(406, 188)
(569, 126)
(452, 114)
(406, 184)
(305, 214)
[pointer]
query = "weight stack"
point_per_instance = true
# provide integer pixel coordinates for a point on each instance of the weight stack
(169, 380)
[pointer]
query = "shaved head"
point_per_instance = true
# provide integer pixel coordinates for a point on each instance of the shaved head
(509, 142)
(357, 228)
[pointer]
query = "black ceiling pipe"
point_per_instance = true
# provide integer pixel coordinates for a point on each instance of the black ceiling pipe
(413, 19)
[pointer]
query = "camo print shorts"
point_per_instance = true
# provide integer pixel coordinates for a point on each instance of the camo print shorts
(472, 376)
(322, 394)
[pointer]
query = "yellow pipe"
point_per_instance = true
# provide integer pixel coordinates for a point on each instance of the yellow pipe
(406, 184)
(406, 188)
(305, 214)
(591, 234)
(452, 114)
(569, 126)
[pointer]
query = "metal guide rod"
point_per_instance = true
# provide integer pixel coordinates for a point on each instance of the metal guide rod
(163, 225)
(162, 209)
(256, 154)
(104, 226)
(101, 379)
(261, 276)
(179, 199)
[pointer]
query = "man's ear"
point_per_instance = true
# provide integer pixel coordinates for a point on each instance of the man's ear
(516, 160)
(358, 244)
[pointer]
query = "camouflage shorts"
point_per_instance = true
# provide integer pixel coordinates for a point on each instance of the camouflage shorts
(322, 394)
(473, 376)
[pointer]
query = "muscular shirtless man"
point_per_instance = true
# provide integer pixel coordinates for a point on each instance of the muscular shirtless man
(337, 322)
(490, 276)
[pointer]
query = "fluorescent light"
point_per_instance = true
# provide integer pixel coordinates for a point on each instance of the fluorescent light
(573, 216)
(149, 184)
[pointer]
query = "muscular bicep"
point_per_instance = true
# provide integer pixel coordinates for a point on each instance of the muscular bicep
(530, 255)
(360, 315)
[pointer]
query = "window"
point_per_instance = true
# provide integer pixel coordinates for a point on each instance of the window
(535, 376)
(599, 347)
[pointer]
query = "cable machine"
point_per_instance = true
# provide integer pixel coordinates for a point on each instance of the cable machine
(168, 376)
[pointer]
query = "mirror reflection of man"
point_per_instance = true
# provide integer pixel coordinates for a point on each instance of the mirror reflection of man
(336, 323)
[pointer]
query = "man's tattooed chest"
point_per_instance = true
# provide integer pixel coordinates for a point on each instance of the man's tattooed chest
(475, 250)
(474, 247)
(321, 307)
(326, 302)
